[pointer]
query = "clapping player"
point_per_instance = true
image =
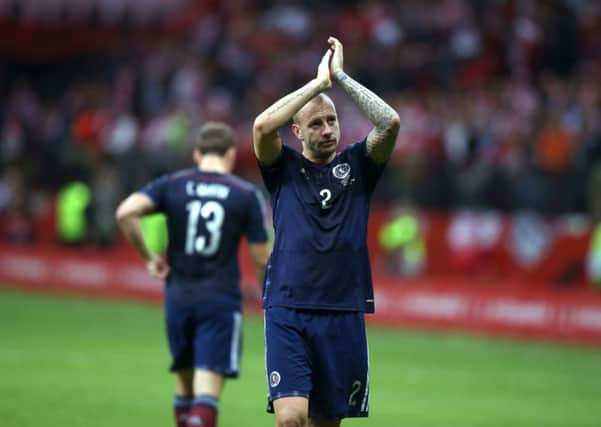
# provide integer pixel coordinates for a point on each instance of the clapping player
(318, 281)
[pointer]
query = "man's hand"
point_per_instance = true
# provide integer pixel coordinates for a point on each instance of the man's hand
(323, 71)
(266, 139)
(381, 139)
(336, 64)
(157, 267)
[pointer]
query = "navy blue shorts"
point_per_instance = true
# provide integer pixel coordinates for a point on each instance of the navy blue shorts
(320, 355)
(201, 336)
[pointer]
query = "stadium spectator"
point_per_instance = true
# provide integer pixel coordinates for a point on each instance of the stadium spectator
(479, 74)
(208, 211)
(312, 292)
(16, 217)
(402, 237)
(104, 196)
(72, 204)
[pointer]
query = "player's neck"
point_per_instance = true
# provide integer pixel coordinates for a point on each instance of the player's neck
(318, 161)
(215, 164)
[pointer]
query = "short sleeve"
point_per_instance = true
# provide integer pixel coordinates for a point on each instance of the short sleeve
(157, 190)
(272, 174)
(370, 170)
(255, 230)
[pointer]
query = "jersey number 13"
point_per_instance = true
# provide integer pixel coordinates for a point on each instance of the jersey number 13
(212, 213)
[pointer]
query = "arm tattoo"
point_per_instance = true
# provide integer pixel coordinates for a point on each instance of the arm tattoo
(341, 75)
(382, 138)
(378, 111)
(279, 105)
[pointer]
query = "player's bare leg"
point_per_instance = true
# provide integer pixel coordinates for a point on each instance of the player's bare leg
(184, 382)
(291, 412)
(208, 386)
(184, 393)
(324, 423)
(208, 383)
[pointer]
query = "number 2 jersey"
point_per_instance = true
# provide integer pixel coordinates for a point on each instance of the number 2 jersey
(320, 258)
(207, 215)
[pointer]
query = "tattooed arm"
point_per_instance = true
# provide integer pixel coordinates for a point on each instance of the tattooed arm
(266, 140)
(381, 139)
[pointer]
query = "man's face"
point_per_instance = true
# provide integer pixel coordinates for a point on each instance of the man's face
(317, 128)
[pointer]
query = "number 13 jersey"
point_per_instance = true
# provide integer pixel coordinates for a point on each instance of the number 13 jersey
(320, 258)
(207, 215)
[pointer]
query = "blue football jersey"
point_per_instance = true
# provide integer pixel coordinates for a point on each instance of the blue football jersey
(207, 214)
(320, 258)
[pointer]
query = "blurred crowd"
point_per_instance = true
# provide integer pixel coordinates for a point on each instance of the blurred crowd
(500, 100)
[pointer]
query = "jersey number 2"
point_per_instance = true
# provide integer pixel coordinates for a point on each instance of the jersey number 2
(326, 195)
(212, 213)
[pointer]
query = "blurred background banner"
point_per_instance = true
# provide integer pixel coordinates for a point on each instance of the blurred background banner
(486, 218)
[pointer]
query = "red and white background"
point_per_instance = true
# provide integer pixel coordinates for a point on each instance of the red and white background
(476, 277)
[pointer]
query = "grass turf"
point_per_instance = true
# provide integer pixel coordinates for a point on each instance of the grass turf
(76, 362)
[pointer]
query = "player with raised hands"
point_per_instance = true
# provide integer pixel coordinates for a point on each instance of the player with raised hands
(318, 280)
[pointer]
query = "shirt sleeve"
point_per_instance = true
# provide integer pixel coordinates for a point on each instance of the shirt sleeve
(272, 174)
(157, 190)
(255, 230)
(370, 170)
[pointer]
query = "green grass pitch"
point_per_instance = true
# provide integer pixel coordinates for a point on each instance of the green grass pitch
(75, 362)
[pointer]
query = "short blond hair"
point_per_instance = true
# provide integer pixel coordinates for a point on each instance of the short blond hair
(320, 98)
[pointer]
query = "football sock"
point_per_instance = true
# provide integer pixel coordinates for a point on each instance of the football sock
(181, 407)
(203, 412)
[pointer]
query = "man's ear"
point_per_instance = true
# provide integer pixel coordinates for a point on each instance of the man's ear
(230, 157)
(196, 156)
(296, 130)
